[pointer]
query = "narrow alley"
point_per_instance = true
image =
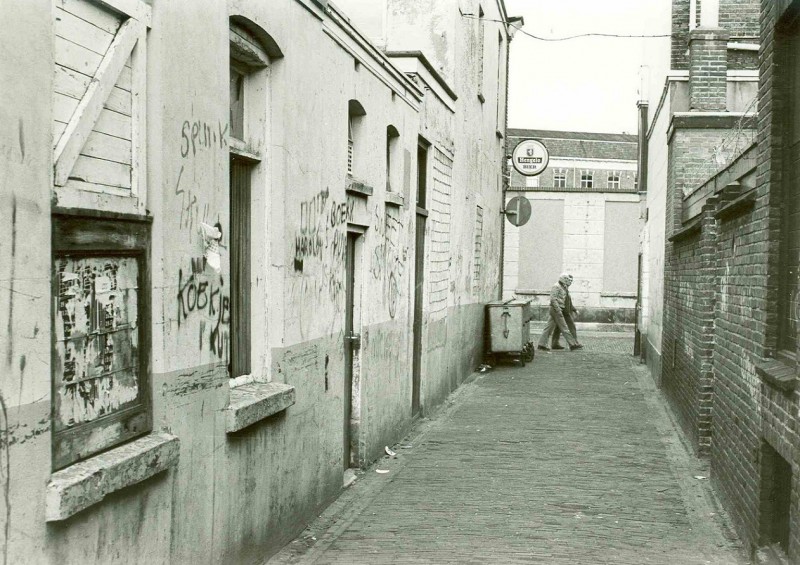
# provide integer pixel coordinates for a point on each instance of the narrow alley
(571, 459)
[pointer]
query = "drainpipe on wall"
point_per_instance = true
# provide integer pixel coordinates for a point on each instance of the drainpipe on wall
(513, 24)
(641, 170)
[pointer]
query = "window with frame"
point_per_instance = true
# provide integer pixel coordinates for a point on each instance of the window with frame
(532, 182)
(248, 62)
(587, 179)
(613, 181)
(560, 178)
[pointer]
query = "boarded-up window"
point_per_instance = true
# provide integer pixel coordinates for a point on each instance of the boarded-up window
(541, 246)
(621, 244)
(100, 345)
(99, 105)
(439, 255)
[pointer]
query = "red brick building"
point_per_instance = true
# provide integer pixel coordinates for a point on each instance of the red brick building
(728, 358)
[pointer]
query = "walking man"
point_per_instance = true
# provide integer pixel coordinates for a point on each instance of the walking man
(558, 296)
(569, 312)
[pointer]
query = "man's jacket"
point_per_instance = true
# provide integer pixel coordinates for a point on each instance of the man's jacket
(558, 296)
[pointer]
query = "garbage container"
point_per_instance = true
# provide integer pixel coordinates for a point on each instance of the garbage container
(509, 329)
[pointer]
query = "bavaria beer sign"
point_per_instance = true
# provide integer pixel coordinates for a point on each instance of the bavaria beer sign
(530, 157)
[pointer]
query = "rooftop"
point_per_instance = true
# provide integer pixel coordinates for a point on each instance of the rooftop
(580, 145)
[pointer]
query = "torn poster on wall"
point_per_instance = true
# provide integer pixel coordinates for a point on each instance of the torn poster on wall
(96, 337)
(212, 235)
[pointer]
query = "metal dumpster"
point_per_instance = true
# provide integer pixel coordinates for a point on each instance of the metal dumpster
(509, 329)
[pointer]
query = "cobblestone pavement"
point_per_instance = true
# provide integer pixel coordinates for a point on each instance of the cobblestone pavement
(571, 459)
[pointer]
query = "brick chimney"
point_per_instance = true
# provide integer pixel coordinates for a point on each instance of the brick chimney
(708, 62)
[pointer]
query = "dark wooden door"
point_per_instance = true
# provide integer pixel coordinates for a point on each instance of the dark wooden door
(350, 342)
(419, 286)
(240, 267)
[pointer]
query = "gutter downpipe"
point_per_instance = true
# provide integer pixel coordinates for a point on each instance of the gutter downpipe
(506, 173)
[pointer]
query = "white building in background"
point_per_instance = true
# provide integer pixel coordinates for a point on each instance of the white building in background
(586, 217)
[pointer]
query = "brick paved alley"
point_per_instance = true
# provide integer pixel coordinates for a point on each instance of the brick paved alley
(571, 459)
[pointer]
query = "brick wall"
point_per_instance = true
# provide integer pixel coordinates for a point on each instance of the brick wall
(690, 278)
(748, 410)
(721, 309)
(738, 17)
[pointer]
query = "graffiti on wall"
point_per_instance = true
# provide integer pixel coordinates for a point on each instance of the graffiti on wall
(388, 260)
(320, 249)
(196, 137)
(321, 235)
(96, 337)
(204, 297)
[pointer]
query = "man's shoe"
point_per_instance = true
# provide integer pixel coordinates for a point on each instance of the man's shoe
(543, 348)
(557, 347)
(574, 347)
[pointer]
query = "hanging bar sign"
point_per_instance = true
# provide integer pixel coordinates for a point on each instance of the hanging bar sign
(530, 157)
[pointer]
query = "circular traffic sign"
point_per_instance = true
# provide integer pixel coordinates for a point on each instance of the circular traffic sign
(518, 211)
(530, 157)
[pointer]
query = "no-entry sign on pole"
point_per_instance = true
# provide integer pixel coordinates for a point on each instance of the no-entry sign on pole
(530, 157)
(518, 211)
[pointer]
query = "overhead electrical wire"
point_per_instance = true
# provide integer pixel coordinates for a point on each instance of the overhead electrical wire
(569, 37)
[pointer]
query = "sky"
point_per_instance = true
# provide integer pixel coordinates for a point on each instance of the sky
(587, 84)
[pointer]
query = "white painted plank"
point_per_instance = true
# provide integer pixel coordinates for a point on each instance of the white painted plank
(109, 122)
(74, 85)
(102, 146)
(98, 188)
(92, 13)
(99, 171)
(81, 32)
(90, 107)
(80, 59)
(107, 147)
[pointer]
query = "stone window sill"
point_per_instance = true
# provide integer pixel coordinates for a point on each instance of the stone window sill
(354, 186)
(777, 374)
(394, 199)
(251, 403)
(86, 483)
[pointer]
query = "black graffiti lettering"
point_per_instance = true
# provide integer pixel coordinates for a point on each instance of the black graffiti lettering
(223, 135)
(195, 133)
(184, 138)
(181, 305)
(202, 296)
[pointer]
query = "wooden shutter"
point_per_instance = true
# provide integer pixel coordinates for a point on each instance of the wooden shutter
(99, 104)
